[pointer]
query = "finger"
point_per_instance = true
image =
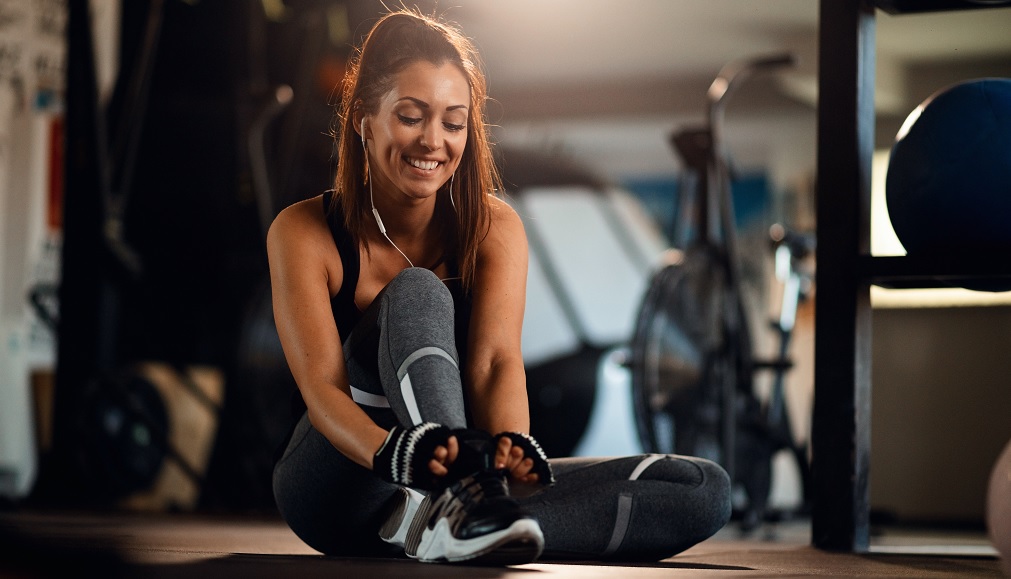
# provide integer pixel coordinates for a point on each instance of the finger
(522, 468)
(530, 478)
(437, 468)
(439, 454)
(438, 458)
(452, 450)
(515, 457)
(502, 452)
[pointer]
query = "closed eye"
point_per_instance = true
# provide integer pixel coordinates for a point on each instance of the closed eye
(454, 128)
(409, 121)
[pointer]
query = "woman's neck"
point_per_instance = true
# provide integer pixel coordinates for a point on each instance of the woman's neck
(414, 231)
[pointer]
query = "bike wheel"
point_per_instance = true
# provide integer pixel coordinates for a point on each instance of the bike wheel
(690, 358)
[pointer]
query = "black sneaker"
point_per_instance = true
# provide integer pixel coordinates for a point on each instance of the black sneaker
(474, 521)
(404, 505)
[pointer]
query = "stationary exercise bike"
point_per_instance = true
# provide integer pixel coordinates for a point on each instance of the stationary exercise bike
(691, 359)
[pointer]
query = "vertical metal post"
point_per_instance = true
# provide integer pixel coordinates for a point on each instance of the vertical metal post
(841, 422)
(80, 294)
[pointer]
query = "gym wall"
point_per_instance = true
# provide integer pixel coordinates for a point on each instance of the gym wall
(939, 410)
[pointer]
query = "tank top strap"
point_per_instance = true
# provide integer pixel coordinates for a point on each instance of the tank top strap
(346, 313)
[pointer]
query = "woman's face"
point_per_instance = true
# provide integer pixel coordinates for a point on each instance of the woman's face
(417, 137)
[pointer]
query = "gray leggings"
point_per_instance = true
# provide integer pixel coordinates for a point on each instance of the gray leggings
(403, 367)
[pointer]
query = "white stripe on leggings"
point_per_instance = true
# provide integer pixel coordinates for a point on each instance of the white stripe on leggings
(624, 514)
(643, 465)
(405, 379)
(421, 353)
(369, 399)
(412, 404)
(621, 519)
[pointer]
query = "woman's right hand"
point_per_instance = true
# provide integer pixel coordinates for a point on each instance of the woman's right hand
(444, 456)
(417, 456)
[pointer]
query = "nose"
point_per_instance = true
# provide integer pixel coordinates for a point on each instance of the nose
(431, 136)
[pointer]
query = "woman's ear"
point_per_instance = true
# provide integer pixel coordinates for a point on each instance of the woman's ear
(361, 124)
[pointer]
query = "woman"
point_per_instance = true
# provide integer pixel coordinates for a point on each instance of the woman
(398, 297)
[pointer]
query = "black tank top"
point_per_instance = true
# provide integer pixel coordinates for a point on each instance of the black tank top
(345, 312)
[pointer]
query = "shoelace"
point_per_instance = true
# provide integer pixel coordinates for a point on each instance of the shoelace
(472, 490)
(455, 504)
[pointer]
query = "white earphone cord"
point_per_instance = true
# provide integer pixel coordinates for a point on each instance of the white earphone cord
(375, 212)
(382, 228)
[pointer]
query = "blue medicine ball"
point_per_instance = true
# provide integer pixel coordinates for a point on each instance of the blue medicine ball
(948, 186)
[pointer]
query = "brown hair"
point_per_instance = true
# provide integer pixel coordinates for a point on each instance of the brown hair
(397, 40)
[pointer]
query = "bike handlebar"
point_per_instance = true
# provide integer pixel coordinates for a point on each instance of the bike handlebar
(733, 72)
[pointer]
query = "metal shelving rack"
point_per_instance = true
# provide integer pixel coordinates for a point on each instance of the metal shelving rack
(840, 435)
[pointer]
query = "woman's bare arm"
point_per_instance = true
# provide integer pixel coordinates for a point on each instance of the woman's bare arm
(304, 269)
(495, 377)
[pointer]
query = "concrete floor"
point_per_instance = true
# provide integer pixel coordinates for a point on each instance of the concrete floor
(46, 544)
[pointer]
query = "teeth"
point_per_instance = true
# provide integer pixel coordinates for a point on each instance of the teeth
(425, 165)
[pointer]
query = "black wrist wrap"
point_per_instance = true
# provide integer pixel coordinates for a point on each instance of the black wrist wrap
(532, 450)
(404, 456)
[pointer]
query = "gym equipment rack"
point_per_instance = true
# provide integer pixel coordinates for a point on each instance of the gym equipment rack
(840, 438)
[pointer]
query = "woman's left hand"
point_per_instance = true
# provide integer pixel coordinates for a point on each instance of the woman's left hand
(512, 458)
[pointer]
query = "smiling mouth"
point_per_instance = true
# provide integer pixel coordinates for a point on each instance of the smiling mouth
(422, 164)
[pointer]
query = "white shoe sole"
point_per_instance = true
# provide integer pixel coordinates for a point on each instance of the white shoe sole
(520, 543)
(394, 530)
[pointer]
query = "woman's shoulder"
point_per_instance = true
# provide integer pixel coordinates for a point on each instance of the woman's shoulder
(299, 217)
(505, 228)
(500, 211)
(299, 241)
(300, 225)
(503, 217)
(311, 208)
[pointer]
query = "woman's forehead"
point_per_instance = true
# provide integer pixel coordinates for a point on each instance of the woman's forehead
(441, 86)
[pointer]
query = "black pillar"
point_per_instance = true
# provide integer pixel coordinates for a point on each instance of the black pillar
(841, 424)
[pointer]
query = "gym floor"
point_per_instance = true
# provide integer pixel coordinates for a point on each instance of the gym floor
(35, 544)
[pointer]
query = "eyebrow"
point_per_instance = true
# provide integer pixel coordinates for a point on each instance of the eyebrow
(425, 105)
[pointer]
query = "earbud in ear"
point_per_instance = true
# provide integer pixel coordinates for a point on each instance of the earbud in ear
(362, 131)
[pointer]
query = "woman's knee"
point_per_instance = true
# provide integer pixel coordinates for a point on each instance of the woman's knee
(416, 286)
(717, 490)
(708, 490)
(416, 294)
(714, 475)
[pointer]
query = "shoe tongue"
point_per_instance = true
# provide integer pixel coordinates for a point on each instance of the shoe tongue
(476, 454)
(493, 484)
